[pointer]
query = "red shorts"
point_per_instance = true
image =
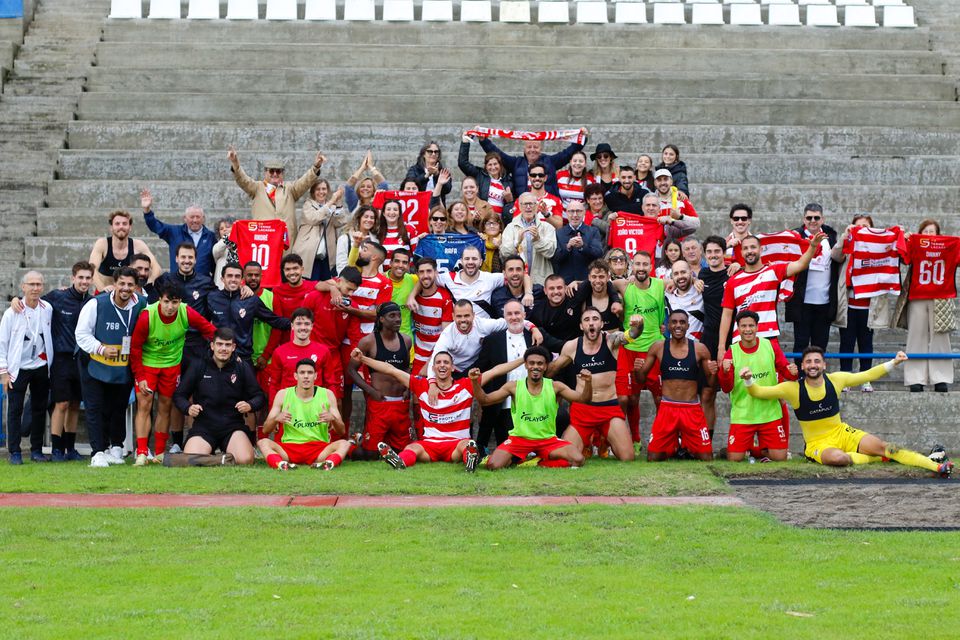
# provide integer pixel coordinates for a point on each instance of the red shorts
(679, 421)
(770, 435)
(627, 385)
(304, 452)
(387, 421)
(522, 447)
(440, 450)
(591, 420)
(162, 381)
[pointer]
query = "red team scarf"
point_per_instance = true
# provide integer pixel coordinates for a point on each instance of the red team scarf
(634, 233)
(783, 246)
(569, 135)
(414, 205)
(874, 265)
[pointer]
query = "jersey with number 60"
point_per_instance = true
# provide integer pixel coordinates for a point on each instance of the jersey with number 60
(933, 262)
(262, 241)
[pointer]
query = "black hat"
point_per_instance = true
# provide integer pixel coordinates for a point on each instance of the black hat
(603, 147)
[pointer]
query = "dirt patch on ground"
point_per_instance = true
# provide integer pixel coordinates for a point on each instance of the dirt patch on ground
(856, 503)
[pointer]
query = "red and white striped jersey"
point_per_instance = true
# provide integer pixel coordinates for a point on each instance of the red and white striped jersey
(692, 303)
(780, 247)
(572, 188)
(874, 265)
(554, 206)
(756, 291)
(391, 241)
(495, 196)
(371, 292)
(684, 206)
(449, 418)
(428, 320)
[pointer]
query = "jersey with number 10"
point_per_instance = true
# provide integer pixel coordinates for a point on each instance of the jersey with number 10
(263, 241)
(934, 265)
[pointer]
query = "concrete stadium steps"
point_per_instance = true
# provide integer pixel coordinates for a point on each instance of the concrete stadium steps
(63, 251)
(702, 85)
(292, 136)
(463, 57)
(844, 199)
(246, 107)
(496, 35)
(115, 164)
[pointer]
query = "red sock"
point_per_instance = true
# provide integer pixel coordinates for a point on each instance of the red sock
(160, 442)
(633, 416)
(142, 446)
(274, 460)
(409, 457)
(464, 455)
(335, 459)
(553, 463)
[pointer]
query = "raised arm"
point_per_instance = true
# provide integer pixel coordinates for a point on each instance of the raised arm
(496, 397)
(357, 358)
(803, 262)
(585, 394)
(501, 370)
(245, 182)
(653, 356)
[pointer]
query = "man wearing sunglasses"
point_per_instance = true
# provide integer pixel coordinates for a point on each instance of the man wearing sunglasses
(272, 198)
(549, 207)
(519, 166)
(813, 306)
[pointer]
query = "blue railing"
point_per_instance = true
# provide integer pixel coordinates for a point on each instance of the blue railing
(886, 356)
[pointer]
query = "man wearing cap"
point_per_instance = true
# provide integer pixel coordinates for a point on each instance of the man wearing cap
(673, 202)
(519, 166)
(272, 199)
(192, 230)
(626, 195)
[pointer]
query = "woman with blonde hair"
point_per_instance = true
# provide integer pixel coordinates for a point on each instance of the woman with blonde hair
(491, 230)
(476, 208)
(458, 219)
(360, 189)
(619, 264)
(493, 183)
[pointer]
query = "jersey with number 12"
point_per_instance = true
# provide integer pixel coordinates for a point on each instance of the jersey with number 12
(263, 241)
(933, 262)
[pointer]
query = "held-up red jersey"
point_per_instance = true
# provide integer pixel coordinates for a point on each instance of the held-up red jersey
(263, 241)
(934, 266)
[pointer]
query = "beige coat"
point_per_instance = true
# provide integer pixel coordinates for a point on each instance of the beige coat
(313, 218)
(543, 248)
(284, 205)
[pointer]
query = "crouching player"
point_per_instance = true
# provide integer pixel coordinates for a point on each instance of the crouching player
(534, 413)
(303, 417)
(445, 412)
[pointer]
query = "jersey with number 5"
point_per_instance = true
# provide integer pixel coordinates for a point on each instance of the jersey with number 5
(262, 241)
(933, 262)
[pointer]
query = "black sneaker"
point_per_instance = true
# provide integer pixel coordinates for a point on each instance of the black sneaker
(938, 454)
(916, 388)
(940, 387)
(473, 456)
(390, 456)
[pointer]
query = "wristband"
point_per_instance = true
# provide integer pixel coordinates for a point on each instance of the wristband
(889, 365)
(748, 382)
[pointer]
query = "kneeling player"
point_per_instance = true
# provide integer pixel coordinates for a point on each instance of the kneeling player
(600, 421)
(445, 412)
(303, 417)
(534, 413)
(680, 417)
(816, 402)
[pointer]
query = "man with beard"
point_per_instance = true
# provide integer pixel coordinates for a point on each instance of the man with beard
(533, 411)
(741, 217)
(103, 334)
(546, 206)
(679, 418)
(816, 402)
(600, 294)
(752, 417)
(756, 287)
(514, 283)
(470, 283)
(600, 421)
(116, 250)
(388, 407)
(558, 312)
(141, 263)
(519, 167)
(287, 296)
(500, 347)
(434, 312)
(685, 296)
(674, 203)
(627, 195)
(713, 277)
(403, 282)
(642, 296)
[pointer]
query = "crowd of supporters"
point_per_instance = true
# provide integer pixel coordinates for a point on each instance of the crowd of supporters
(553, 290)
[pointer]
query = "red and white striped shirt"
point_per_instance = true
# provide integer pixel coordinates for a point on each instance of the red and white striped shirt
(683, 206)
(572, 188)
(449, 418)
(495, 195)
(874, 265)
(554, 206)
(433, 311)
(776, 248)
(371, 292)
(756, 291)
(391, 241)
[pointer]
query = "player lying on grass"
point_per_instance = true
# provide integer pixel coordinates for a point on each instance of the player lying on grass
(534, 413)
(303, 417)
(445, 410)
(816, 402)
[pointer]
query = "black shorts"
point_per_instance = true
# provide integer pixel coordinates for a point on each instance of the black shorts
(216, 438)
(65, 378)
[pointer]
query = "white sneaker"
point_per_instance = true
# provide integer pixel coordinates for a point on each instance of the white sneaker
(175, 448)
(116, 452)
(141, 460)
(866, 388)
(100, 459)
